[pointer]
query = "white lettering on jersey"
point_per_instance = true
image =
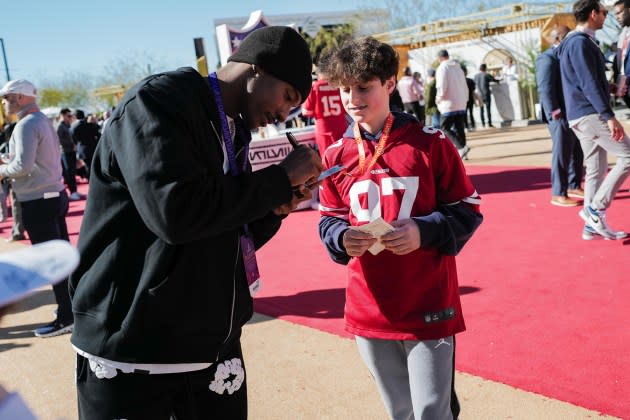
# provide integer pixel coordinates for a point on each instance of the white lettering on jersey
(374, 200)
(331, 105)
(431, 130)
(379, 171)
(409, 185)
(336, 144)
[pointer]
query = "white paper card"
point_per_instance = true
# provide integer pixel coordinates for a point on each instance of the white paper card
(377, 227)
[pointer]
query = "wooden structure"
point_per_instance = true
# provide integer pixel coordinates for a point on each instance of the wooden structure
(519, 32)
(113, 94)
(510, 18)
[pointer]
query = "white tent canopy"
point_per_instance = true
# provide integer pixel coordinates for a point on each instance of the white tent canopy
(51, 111)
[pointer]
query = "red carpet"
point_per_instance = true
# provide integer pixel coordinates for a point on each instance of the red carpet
(546, 311)
(75, 214)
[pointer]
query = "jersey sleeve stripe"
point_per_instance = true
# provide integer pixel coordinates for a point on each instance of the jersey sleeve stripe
(472, 200)
(334, 210)
(341, 213)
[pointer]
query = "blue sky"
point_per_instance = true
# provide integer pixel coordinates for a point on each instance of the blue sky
(46, 39)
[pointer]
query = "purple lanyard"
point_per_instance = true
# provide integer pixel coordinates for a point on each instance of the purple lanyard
(227, 137)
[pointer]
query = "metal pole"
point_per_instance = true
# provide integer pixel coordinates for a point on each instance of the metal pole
(4, 56)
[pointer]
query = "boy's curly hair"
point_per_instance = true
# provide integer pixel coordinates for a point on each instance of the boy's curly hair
(359, 61)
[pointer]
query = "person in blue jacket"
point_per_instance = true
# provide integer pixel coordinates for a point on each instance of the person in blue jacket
(587, 99)
(567, 158)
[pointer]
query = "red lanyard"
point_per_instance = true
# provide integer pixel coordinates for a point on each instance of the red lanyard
(380, 147)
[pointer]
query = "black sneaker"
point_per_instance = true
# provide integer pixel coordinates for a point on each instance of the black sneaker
(53, 329)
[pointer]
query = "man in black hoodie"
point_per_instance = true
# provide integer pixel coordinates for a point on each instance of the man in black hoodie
(168, 237)
(85, 135)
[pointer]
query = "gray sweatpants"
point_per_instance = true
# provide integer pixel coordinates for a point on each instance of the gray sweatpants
(595, 139)
(414, 378)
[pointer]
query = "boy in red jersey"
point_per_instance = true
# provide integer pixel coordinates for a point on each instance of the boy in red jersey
(402, 304)
(324, 104)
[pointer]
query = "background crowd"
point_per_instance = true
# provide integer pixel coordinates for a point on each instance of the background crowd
(44, 160)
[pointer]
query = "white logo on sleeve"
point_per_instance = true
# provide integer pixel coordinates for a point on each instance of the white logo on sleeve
(442, 341)
(229, 369)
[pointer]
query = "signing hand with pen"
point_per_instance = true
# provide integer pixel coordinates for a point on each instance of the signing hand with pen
(301, 193)
(302, 165)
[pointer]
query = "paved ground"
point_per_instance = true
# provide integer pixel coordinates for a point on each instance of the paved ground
(294, 372)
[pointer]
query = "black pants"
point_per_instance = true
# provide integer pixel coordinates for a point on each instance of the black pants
(181, 396)
(470, 121)
(45, 220)
(487, 102)
(69, 164)
(86, 152)
(567, 158)
(453, 125)
(416, 109)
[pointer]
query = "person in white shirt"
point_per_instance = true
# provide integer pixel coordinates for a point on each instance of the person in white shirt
(451, 98)
(509, 71)
(410, 92)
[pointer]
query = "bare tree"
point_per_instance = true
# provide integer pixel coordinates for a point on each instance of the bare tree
(71, 90)
(129, 69)
(406, 13)
(328, 37)
(76, 89)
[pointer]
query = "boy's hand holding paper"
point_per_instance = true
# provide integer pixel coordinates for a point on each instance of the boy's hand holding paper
(405, 237)
(377, 228)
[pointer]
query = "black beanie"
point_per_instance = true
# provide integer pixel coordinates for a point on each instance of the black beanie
(281, 52)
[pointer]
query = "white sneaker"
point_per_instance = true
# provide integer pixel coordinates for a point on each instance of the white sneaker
(75, 196)
(588, 234)
(596, 219)
(463, 152)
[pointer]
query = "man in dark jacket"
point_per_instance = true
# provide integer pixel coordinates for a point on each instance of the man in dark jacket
(482, 81)
(85, 136)
(167, 242)
(470, 104)
(566, 154)
(587, 99)
(69, 153)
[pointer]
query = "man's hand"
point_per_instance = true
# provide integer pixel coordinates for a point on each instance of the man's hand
(612, 88)
(302, 166)
(616, 129)
(357, 242)
(301, 194)
(405, 237)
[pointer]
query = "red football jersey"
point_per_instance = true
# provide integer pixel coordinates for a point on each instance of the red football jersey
(324, 104)
(388, 296)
